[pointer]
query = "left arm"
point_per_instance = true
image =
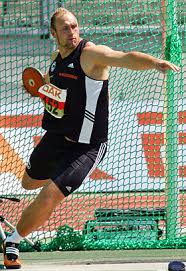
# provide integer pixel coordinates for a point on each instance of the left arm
(104, 56)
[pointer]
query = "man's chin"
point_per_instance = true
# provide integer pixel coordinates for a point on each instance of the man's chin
(73, 44)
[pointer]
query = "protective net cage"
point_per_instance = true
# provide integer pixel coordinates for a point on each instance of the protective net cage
(136, 197)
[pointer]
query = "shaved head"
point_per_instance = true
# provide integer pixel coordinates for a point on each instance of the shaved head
(60, 12)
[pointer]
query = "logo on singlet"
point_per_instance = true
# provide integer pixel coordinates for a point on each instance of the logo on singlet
(71, 65)
(53, 66)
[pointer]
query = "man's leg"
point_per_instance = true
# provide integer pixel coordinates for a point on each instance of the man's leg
(32, 217)
(29, 183)
(40, 209)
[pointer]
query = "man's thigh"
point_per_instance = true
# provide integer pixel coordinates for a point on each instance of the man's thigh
(76, 166)
(44, 158)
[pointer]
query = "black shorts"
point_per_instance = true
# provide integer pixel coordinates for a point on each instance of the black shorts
(66, 163)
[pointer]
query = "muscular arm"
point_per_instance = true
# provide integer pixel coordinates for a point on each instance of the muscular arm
(104, 56)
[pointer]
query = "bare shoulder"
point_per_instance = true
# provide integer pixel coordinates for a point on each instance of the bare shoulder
(89, 43)
(89, 63)
(90, 46)
(93, 50)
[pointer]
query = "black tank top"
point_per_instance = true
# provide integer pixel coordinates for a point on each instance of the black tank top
(85, 118)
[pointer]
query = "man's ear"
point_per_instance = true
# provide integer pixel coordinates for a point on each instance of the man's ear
(53, 32)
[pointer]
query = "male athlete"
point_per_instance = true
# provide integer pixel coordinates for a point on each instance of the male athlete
(76, 135)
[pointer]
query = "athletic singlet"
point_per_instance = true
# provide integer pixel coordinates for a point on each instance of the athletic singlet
(85, 118)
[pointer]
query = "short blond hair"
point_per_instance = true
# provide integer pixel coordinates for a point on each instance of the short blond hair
(59, 11)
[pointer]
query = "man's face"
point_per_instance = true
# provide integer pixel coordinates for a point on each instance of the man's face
(67, 31)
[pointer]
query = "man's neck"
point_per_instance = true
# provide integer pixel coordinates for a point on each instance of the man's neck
(64, 52)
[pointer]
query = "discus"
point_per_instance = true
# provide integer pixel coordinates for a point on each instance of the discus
(32, 80)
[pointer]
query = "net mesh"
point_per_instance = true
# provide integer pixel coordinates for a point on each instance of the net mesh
(136, 197)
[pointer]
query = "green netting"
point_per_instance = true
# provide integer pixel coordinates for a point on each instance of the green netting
(136, 198)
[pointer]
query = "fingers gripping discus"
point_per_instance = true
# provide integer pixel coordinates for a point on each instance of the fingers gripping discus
(32, 80)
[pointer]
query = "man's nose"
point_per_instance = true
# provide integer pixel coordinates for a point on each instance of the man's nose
(71, 30)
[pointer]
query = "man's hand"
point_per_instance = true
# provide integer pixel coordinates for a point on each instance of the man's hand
(46, 78)
(163, 66)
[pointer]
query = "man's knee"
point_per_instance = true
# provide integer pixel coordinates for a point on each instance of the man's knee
(51, 195)
(29, 183)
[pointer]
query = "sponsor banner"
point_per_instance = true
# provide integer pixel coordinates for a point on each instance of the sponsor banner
(135, 157)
